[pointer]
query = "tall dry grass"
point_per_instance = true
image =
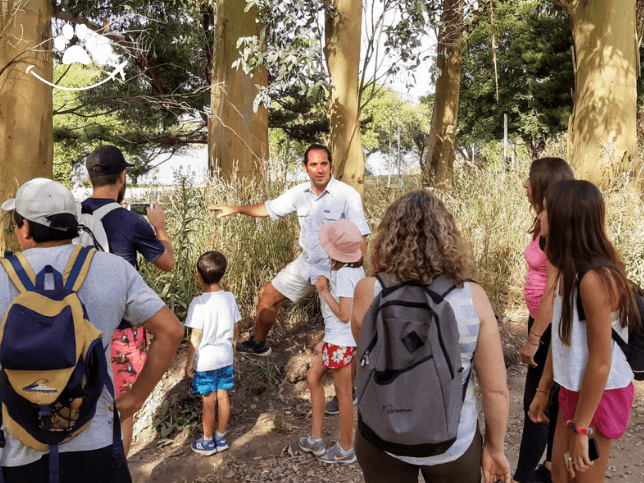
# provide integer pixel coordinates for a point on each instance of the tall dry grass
(489, 205)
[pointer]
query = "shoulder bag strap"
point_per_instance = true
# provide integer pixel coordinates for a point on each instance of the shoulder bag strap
(20, 272)
(101, 212)
(78, 267)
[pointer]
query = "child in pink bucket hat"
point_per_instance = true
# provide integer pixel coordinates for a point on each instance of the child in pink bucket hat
(340, 240)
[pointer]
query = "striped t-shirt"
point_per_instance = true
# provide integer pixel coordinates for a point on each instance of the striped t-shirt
(468, 327)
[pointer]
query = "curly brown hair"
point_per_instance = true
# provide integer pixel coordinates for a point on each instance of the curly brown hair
(417, 240)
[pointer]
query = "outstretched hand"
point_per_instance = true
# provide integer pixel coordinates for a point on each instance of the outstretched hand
(495, 466)
(224, 210)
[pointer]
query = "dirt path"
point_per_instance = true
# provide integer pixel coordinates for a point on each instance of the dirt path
(270, 410)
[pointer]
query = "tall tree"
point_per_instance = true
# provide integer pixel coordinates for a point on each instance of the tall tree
(535, 76)
(441, 142)
(238, 127)
(602, 136)
(342, 52)
(26, 143)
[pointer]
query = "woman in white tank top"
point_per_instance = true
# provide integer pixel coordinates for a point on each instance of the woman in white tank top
(596, 393)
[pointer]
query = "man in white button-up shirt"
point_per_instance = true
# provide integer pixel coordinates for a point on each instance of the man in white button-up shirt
(321, 201)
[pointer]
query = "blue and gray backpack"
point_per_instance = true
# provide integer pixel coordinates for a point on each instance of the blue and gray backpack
(53, 363)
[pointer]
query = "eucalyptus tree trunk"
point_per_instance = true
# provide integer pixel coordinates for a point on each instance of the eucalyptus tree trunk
(602, 133)
(26, 109)
(237, 136)
(438, 164)
(342, 52)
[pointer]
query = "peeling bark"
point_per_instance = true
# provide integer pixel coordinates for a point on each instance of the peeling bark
(342, 52)
(237, 136)
(26, 106)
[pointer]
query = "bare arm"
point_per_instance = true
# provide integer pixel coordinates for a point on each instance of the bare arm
(168, 333)
(362, 299)
(235, 337)
(341, 310)
(542, 321)
(595, 299)
(256, 211)
(490, 369)
(541, 400)
(195, 340)
(363, 245)
(157, 219)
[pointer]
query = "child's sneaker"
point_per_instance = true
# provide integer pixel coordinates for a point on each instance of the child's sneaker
(336, 454)
(315, 446)
(221, 444)
(205, 448)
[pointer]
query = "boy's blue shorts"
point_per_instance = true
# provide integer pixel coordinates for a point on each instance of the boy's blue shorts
(209, 381)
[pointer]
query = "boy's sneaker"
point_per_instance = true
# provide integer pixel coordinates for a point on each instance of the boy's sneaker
(541, 475)
(315, 446)
(254, 347)
(333, 407)
(221, 444)
(336, 454)
(205, 448)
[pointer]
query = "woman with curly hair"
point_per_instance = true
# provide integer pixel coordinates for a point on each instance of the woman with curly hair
(417, 240)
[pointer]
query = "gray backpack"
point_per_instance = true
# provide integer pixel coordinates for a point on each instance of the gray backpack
(410, 378)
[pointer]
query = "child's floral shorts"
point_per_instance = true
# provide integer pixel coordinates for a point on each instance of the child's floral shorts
(337, 357)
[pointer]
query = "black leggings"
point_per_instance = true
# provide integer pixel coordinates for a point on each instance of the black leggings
(536, 436)
(379, 467)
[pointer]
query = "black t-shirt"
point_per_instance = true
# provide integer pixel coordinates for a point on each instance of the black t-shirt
(127, 232)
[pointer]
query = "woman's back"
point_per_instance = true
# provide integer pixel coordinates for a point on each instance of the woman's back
(460, 299)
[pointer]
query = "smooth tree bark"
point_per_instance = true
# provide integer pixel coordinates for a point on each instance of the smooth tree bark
(237, 136)
(342, 53)
(438, 165)
(602, 134)
(26, 108)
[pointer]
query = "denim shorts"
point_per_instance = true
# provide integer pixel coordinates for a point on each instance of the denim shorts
(209, 381)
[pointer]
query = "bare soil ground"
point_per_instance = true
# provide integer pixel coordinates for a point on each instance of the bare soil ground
(270, 410)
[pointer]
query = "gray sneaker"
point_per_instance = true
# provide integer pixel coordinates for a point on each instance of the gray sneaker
(336, 454)
(315, 446)
(333, 407)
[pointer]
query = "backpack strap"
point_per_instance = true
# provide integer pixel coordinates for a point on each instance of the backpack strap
(20, 272)
(581, 313)
(101, 212)
(78, 267)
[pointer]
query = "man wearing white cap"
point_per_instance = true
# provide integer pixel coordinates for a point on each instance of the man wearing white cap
(46, 221)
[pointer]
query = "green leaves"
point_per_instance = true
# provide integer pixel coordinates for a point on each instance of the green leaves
(534, 73)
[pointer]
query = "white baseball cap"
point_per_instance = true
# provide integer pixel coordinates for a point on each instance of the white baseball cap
(40, 198)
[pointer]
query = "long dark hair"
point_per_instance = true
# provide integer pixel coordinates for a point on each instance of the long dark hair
(577, 243)
(543, 173)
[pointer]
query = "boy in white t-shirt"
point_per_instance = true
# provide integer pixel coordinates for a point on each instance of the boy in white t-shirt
(213, 318)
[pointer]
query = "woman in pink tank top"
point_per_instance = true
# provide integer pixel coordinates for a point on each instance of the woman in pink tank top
(543, 173)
